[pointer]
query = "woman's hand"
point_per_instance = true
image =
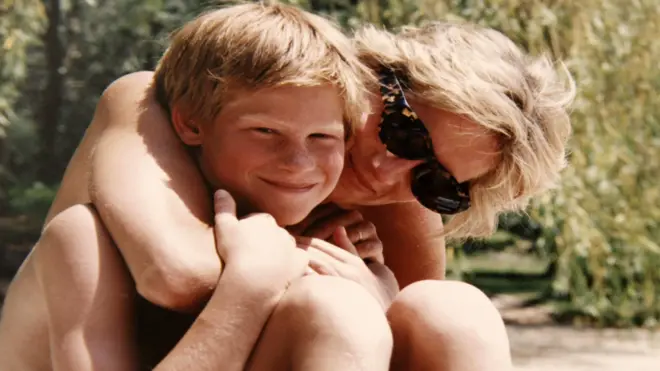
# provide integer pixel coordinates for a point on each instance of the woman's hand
(342, 260)
(324, 221)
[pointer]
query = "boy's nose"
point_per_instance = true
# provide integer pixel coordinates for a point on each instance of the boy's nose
(297, 158)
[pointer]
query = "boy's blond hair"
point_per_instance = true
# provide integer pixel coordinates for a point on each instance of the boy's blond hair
(248, 47)
(480, 73)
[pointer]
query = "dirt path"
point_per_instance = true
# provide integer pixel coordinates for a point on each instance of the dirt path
(539, 345)
(545, 348)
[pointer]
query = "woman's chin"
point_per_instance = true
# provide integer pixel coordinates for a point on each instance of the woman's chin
(358, 196)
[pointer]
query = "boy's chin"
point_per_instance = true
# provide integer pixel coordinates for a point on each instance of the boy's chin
(286, 217)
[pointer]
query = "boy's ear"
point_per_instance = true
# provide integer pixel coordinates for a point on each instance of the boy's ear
(188, 130)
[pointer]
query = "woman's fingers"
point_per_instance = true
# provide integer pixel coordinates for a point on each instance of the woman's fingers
(364, 237)
(371, 250)
(342, 240)
(361, 231)
(316, 216)
(325, 227)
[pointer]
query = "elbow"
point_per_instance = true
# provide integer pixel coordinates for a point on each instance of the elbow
(181, 289)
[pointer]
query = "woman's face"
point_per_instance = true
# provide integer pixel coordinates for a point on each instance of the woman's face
(374, 176)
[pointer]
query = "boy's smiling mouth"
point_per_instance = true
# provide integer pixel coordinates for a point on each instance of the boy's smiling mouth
(286, 186)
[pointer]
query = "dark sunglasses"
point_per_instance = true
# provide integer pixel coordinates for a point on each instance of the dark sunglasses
(404, 134)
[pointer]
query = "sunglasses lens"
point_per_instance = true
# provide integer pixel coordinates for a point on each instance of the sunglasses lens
(404, 139)
(437, 190)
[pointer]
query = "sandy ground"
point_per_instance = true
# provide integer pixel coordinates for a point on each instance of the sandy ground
(539, 345)
(546, 348)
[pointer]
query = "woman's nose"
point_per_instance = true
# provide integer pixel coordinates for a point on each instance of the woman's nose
(392, 169)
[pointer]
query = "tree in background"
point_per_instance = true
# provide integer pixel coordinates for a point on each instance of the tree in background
(21, 22)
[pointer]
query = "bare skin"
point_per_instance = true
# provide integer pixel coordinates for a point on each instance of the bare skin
(185, 210)
(72, 316)
(47, 325)
(172, 193)
(84, 321)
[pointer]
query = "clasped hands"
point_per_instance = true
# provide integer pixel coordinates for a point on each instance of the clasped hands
(330, 241)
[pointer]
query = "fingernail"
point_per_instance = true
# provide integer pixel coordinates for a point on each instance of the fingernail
(220, 194)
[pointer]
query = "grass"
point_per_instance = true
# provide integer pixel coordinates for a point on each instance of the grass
(503, 272)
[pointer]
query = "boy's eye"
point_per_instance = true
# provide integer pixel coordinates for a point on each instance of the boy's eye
(264, 130)
(322, 136)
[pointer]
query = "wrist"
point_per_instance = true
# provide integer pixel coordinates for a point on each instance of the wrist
(241, 280)
(261, 274)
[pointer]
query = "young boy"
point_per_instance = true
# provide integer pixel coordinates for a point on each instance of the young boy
(263, 98)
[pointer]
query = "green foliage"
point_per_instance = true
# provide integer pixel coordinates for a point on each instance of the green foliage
(33, 200)
(608, 208)
(21, 21)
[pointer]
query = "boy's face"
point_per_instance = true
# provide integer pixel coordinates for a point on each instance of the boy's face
(279, 150)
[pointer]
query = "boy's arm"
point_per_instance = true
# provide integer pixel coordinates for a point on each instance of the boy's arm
(262, 261)
(412, 243)
(227, 329)
(152, 198)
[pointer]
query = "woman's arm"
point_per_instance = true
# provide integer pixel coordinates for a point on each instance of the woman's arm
(412, 243)
(152, 198)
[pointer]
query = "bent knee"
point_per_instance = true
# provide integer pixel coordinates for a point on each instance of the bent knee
(334, 304)
(444, 297)
(79, 224)
(76, 245)
(446, 308)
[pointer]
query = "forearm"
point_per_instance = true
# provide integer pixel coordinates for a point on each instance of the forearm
(226, 331)
(412, 239)
(182, 285)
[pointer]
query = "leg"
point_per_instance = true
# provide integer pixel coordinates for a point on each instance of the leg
(89, 294)
(324, 323)
(447, 326)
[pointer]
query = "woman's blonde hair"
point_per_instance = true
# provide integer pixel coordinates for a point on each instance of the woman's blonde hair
(256, 46)
(481, 74)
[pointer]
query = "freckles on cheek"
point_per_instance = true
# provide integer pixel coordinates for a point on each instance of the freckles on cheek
(335, 162)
